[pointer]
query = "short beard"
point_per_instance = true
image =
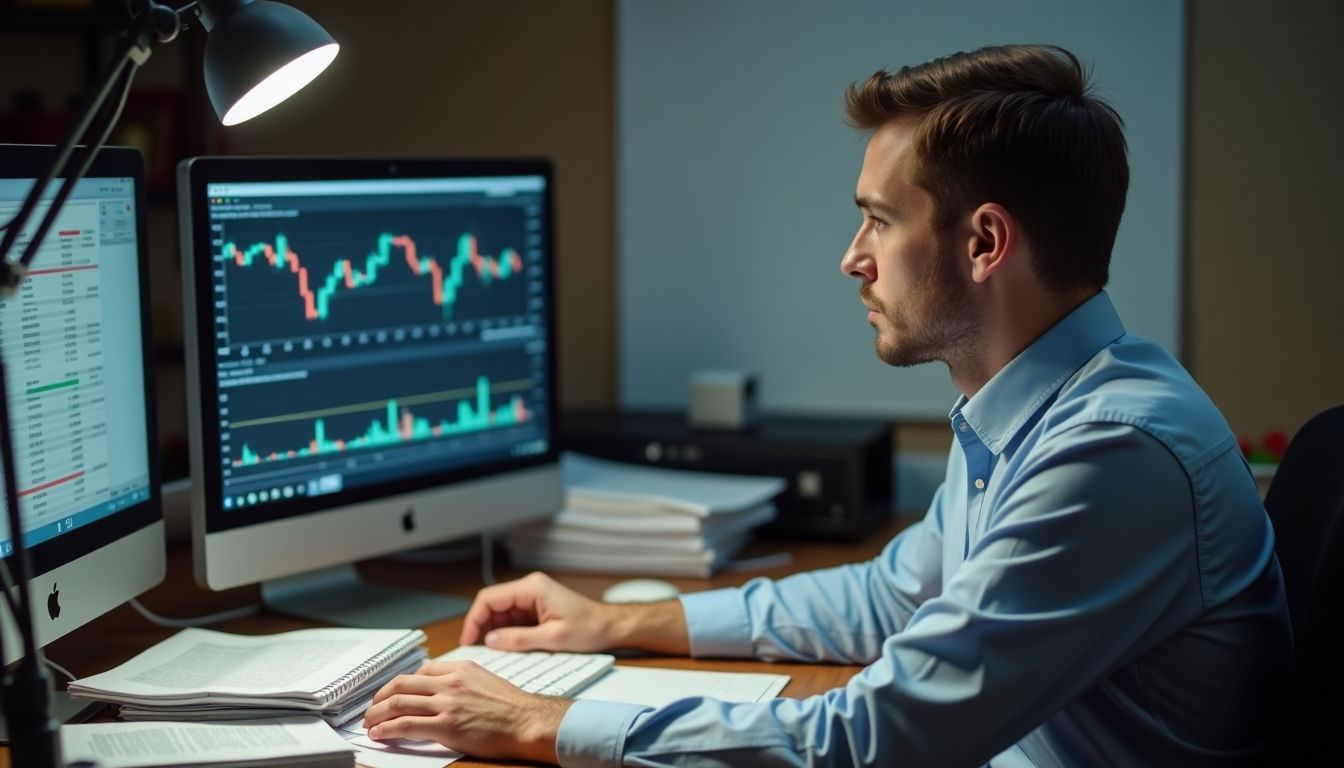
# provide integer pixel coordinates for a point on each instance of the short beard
(934, 322)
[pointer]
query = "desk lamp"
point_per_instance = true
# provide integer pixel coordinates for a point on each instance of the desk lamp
(258, 54)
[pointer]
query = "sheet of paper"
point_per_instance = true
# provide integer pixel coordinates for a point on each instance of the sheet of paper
(658, 687)
(142, 745)
(401, 753)
(666, 532)
(696, 493)
(374, 755)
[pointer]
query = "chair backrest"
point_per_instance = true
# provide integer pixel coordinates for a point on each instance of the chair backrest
(1306, 505)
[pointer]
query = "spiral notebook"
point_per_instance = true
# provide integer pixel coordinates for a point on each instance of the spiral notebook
(200, 674)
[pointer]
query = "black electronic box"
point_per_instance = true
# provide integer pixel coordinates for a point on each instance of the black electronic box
(839, 471)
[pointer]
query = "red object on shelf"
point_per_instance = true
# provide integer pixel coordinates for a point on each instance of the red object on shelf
(1275, 442)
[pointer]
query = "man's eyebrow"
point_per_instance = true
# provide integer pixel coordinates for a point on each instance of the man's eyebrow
(864, 201)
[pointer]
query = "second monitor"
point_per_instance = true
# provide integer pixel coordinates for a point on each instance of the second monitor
(371, 367)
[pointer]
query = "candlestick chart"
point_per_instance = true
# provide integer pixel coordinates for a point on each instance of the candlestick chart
(348, 272)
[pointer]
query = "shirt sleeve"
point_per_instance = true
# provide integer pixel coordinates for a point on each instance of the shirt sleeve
(1080, 563)
(838, 614)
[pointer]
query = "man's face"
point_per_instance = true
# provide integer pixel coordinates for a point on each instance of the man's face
(916, 289)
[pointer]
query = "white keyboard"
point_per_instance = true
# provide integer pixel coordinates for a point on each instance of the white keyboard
(548, 674)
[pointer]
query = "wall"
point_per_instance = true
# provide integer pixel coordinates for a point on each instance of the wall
(1266, 162)
(736, 172)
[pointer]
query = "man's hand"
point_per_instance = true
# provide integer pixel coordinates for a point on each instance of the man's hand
(464, 707)
(535, 613)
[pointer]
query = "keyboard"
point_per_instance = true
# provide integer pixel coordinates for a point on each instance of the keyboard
(548, 674)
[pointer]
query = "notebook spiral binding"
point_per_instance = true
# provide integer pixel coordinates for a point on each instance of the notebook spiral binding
(352, 679)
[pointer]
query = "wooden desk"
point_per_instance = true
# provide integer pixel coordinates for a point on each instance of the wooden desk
(122, 633)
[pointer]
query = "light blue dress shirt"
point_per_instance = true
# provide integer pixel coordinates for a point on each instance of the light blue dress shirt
(1094, 584)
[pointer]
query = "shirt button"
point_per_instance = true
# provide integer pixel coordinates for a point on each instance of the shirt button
(979, 484)
(963, 426)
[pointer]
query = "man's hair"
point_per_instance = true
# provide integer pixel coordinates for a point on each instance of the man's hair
(1016, 125)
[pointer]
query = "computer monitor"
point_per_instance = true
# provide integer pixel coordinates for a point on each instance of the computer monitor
(76, 341)
(370, 368)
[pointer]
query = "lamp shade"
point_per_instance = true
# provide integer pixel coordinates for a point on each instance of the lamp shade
(259, 53)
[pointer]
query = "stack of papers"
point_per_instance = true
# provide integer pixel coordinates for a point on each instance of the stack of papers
(204, 675)
(631, 519)
(295, 742)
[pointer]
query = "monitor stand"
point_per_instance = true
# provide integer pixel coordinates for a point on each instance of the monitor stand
(338, 595)
(65, 709)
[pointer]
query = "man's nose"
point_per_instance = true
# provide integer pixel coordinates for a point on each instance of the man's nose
(857, 264)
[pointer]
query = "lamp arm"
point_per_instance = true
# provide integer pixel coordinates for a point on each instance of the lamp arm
(17, 271)
(34, 735)
(25, 690)
(154, 23)
(17, 608)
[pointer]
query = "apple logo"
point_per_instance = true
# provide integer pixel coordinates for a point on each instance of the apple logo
(408, 520)
(54, 602)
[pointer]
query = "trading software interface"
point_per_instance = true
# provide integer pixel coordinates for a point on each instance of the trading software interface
(372, 330)
(71, 340)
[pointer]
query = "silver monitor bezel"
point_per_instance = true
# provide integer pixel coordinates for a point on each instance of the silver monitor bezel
(102, 565)
(476, 500)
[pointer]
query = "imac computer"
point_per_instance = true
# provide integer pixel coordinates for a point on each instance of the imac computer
(370, 368)
(75, 341)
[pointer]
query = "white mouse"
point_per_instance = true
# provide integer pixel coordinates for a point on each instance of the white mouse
(640, 591)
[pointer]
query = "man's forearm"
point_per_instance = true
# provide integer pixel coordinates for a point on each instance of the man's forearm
(656, 627)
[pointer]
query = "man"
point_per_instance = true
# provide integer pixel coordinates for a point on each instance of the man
(1094, 582)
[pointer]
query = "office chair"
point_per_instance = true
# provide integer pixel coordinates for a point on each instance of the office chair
(1306, 506)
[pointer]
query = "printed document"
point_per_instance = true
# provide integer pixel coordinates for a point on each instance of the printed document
(305, 742)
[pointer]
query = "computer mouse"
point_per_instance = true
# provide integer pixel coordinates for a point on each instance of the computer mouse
(640, 591)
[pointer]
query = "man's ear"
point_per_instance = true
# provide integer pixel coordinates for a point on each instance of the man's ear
(994, 235)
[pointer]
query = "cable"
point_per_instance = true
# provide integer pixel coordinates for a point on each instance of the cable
(487, 558)
(58, 668)
(9, 590)
(198, 621)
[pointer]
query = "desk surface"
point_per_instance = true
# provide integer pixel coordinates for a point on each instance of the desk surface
(122, 633)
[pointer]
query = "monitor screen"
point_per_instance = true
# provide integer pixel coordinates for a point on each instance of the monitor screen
(75, 340)
(373, 338)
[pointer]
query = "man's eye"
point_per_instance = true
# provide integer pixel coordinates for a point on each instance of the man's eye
(875, 221)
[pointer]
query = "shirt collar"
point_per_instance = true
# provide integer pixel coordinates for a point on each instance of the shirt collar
(1001, 407)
